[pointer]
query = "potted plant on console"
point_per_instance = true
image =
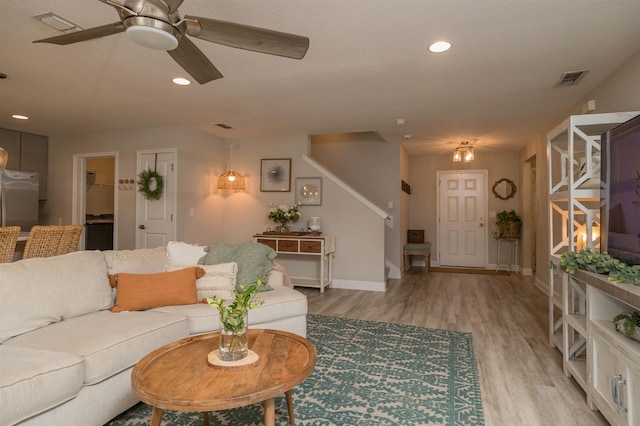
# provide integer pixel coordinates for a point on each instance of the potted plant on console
(509, 223)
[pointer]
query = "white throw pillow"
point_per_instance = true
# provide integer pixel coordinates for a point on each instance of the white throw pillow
(184, 254)
(139, 261)
(218, 281)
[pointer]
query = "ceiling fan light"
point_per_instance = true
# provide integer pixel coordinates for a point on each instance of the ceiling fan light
(152, 38)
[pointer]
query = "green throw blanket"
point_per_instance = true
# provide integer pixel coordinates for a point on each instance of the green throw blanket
(254, 260)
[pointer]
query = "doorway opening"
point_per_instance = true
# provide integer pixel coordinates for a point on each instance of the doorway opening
(95, 199)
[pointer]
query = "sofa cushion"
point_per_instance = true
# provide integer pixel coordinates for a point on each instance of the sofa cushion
(33, 381)
(279, 304)
(254, 260)
(40, 291)
(180, 253)
(139, 261)
(217, 281)
(137, 292)
(108, 342)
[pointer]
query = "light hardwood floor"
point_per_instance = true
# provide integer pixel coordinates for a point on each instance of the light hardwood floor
(520, 374)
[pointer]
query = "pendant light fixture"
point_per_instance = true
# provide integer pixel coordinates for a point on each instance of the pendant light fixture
(463, 152)
(231, 179)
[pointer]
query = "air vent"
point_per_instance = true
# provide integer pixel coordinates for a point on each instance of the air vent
(570, 78)
(224, 126)
(57, 22)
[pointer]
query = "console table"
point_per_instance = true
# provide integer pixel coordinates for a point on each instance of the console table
(300, 244)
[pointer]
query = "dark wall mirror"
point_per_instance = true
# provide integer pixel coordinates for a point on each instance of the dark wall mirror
(504, 189)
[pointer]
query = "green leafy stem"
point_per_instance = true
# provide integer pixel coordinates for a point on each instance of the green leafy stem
(601, 263)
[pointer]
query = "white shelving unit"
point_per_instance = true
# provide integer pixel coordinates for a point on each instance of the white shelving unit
(573, 155)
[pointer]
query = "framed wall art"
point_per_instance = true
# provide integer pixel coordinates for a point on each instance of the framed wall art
(275, 175)
(309, 191)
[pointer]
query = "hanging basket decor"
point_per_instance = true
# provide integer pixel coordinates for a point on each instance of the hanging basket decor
(150, 184)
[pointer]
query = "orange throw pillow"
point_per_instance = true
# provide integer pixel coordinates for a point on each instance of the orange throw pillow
(137, 292)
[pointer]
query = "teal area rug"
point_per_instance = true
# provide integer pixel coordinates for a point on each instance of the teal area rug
(367, 373)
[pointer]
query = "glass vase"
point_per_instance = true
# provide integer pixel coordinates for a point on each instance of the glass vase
(234, 342)
(282, 228)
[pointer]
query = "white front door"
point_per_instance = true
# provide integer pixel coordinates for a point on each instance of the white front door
(462, 234)
(156, 219)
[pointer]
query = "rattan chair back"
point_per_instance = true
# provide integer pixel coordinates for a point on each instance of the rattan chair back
(8, 240)
(70, 239)
(43, 241)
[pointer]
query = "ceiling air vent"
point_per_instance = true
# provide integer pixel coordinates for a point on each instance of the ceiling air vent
(570, 78)
(224, 126)
(57, 22)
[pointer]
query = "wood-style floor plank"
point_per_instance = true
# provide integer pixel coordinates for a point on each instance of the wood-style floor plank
(520, 375)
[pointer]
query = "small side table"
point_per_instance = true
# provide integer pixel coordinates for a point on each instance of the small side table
(514, 244)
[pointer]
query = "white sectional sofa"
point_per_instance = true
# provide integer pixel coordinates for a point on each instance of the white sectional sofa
(66, 359)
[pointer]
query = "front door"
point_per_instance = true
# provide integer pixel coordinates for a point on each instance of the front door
(462, 234)
(156, 219)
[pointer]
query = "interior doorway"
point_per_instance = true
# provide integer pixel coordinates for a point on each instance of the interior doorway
(95, 199)
(462, 213)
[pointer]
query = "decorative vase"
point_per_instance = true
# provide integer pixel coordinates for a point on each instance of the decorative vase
(234, 342)
(283, 228)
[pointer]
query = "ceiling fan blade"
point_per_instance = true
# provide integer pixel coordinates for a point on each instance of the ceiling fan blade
(83, 35)
(189, 57)
(173, 5)
(251, 38)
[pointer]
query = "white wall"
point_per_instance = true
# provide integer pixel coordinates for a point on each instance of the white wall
(225, 215)
(371, 166)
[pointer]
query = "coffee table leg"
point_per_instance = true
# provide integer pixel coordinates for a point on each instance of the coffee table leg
(205, 418)
(156, 416)
(269, 412)
(290, 406)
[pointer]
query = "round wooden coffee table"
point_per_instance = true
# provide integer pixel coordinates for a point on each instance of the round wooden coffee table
(178, 377)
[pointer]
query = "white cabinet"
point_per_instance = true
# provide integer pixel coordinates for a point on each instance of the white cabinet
(614, 361)
(616, 382)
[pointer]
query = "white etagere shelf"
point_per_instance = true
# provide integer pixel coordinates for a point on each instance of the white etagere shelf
(573, 153)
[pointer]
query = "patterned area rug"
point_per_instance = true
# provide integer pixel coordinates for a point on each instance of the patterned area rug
(367, 373)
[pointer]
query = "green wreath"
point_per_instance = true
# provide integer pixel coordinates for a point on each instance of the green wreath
(145, 180)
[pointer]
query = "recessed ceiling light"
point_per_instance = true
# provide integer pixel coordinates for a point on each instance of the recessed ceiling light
(440, 46)
(20, 117)
(181, 81)
(400, 121)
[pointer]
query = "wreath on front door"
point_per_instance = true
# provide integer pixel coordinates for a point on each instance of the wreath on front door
(150, 184)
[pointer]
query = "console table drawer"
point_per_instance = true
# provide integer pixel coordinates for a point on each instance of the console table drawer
(310, 246)
(288, 245)
(270, 243)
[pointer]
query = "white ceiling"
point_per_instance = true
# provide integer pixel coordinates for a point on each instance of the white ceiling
(367, 65)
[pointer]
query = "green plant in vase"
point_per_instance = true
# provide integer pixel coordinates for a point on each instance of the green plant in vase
(600, 263)
(508, 223)
(233, 321)
(284, 214)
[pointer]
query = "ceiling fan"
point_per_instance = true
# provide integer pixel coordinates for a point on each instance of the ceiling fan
(157, 24)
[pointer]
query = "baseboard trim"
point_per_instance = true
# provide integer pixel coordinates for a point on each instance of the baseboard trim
(542, 286)
(359, 285)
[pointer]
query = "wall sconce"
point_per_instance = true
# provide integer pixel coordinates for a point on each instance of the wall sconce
(463, 152)
(231, 179)
(4, 158)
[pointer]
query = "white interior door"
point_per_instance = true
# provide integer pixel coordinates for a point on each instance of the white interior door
(462, 234)
(156, 219)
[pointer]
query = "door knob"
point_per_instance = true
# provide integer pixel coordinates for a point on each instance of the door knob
(142, 227)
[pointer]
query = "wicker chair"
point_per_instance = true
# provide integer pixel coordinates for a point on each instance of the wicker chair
(8, 240)
(43, 241)
(70, 238)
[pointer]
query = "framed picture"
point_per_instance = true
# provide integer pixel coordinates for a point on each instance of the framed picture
(309, 191)
(275, 175)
